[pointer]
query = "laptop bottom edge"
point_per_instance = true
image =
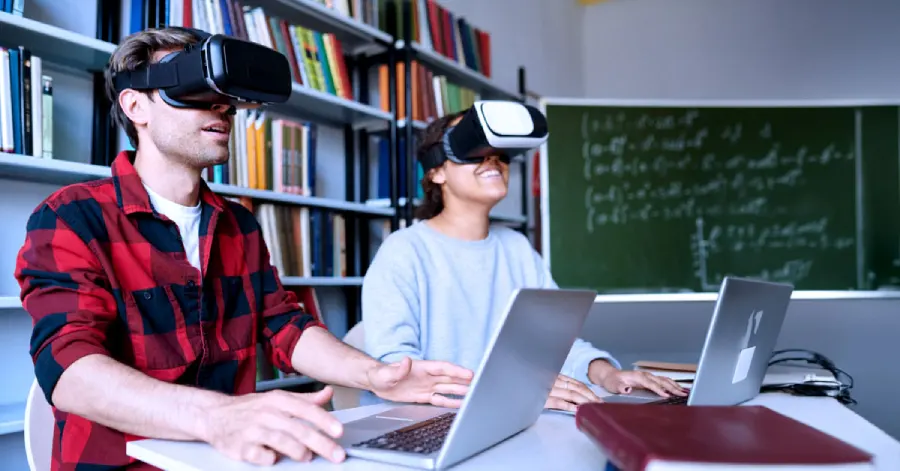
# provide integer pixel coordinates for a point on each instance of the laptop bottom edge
(411, 460)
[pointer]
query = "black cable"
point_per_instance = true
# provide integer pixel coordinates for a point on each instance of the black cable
(839, 389)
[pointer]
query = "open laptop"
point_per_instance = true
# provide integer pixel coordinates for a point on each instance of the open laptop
(745, 325)
(506, 396)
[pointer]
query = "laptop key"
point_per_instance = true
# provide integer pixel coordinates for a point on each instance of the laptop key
(423, 437)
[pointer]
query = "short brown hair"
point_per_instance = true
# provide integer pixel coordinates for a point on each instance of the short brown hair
(134, 51)
(433, 199)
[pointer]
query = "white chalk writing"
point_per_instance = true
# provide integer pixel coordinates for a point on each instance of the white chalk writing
(687, 167)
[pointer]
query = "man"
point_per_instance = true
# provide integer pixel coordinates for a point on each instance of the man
(149, 294)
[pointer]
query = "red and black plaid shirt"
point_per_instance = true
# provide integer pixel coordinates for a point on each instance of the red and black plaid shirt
(101, 272)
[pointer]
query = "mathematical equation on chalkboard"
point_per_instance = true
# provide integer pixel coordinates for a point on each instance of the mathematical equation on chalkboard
(726, 181)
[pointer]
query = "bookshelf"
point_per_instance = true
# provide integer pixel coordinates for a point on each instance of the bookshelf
(359, 36)
(429, 36)
(456, 72)
(57, 45)
(76, 59)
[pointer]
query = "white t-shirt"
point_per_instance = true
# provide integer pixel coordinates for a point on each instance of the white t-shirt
(188, 220)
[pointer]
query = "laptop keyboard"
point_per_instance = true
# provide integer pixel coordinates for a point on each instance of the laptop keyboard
(422, 437)
(673, 400)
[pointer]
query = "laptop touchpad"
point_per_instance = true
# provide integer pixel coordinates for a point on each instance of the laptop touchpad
(377, 423)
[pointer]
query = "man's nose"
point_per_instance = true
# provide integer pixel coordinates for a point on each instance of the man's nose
(223, 108)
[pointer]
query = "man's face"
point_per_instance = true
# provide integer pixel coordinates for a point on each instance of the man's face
(195, 138)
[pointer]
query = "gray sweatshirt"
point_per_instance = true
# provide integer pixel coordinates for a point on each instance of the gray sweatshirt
(429, 296)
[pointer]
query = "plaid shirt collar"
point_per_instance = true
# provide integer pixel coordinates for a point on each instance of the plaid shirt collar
(131, 195)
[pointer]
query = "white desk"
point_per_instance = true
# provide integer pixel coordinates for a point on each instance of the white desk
(552, 443)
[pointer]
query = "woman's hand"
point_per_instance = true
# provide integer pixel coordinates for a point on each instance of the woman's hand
(567, 394)
(618, 381)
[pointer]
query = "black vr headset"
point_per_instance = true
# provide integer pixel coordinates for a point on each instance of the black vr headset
(506, 129)
(217, 70)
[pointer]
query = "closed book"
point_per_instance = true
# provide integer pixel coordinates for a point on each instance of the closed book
(676, 438)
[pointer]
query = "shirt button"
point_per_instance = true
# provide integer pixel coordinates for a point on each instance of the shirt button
(147, 295)
(191, 283)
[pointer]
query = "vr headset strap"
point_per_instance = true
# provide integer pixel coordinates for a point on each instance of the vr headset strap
(158, 75)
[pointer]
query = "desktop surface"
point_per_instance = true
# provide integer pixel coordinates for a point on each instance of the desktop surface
(552, 443)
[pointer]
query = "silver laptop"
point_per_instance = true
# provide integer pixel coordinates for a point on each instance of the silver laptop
(506, 396)
(745, 325)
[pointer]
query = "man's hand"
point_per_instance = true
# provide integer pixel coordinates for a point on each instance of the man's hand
(567, 394)
(258, 427)
(622, 382)
(420, 381)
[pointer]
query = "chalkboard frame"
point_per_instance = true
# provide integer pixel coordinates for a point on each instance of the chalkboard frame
(545, 225)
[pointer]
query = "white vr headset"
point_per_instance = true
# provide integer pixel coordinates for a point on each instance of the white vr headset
(505, 129)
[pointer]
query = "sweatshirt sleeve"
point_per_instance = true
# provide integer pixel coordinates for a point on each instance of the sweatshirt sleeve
(583, 352)
(390, 305)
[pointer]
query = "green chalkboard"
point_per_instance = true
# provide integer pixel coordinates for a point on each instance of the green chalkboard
(672, 197)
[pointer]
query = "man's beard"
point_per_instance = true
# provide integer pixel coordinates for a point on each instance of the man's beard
(190, 152)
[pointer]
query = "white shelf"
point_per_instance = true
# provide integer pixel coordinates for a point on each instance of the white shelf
(353, 34)
(322, 281)
(315, 105)
(418, 125)
(55, 171)
(509, 218)
(381, 127)
(54, 44)
(61, 172)
(10, 302)
(459, 73)
(65, 47)
(12, 418)
(279, 383)
(312, 201)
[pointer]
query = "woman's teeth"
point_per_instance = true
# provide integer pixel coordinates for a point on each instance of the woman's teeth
(490, 173)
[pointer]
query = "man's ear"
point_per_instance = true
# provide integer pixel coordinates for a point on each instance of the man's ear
(135, 105)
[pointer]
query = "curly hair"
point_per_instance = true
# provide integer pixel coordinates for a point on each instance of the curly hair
(433, 200)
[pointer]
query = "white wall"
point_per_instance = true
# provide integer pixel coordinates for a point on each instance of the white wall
(733, 49)
(545, 37)
(763, 49)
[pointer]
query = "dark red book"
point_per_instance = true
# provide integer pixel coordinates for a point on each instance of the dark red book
(669, 437)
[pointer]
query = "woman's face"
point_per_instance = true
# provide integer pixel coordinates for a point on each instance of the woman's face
(486, 182)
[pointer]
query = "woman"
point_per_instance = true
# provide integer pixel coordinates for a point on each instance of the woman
(437, 289)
